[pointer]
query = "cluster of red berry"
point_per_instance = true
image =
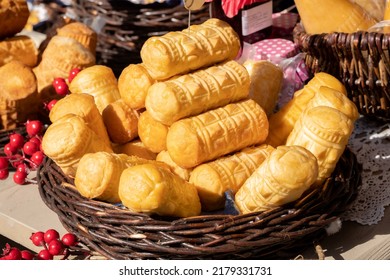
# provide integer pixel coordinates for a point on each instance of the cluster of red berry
(61, 84)
(61, 87)
(24, 153)
(52, 245)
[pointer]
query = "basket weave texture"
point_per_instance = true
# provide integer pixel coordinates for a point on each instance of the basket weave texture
(282, 233)
(360, 60)
(126, 26)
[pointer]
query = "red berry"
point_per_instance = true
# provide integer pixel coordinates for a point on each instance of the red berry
(51, 104)
(51, 234)
(30, 148)
(3, 163)
(61, 89)
(13, 254)
(27, 255)
(16, 140)
(37, 238)
(73, 73)
(36, 140)
(34, 128)
(58, 81)
(22, 168)
(69, 239)
(45, 255)
(9, 150)
(4, 173)
(55, 247)
(20, 177)
(37, 158)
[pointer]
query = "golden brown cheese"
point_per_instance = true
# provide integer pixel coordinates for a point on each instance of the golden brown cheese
(151, 189)
(195, 140)
(282, 178)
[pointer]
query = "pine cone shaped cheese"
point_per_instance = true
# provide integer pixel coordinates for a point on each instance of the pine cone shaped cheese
(61, 55)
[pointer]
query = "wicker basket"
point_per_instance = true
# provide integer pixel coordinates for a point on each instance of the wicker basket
(126, 26)
(360, 60)
(116, 233)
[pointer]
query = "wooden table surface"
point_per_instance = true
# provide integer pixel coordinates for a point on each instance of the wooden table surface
(22, 212)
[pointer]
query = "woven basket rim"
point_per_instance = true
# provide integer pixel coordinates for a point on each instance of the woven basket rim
(116, 233)
(360, 60)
